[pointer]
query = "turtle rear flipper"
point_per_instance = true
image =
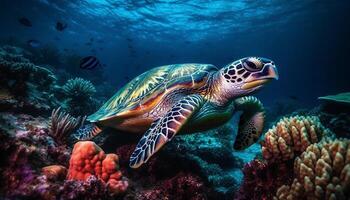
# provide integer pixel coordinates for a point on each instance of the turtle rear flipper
(251, 122)
(86, 132)
(164, 129)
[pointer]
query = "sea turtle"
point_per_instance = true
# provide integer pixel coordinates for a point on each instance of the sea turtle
(185, 98)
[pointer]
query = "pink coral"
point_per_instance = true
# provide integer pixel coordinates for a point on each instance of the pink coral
(88, 159)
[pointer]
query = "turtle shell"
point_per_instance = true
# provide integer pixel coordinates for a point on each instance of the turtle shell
(146, 90)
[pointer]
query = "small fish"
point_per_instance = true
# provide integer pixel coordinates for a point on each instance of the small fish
(293, 97)
(61, 26)
(25, 22)
(34, 43)
(89, 62)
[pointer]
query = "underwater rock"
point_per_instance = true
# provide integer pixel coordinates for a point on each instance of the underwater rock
(88, 159)
(262, 179)
(334, 113)
(79, 93)
(62, 125)
(291, 136)
(24, 87)
(321, 172)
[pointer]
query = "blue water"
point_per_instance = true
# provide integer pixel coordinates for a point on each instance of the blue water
(308, 40)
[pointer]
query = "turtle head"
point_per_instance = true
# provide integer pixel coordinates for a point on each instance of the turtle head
(244, 76)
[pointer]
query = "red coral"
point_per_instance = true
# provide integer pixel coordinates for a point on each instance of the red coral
(88, 159)
(260, 180)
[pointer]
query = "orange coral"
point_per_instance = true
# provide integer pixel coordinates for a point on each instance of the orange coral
(321, 172)
(291, 136)
(54, 172)
(89, 159)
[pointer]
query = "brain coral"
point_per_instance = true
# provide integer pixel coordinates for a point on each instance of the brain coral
(89, 159)
(291, 136)
(321, 172)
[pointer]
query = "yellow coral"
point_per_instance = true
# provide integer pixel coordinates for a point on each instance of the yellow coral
(291, 136)
(321, 172)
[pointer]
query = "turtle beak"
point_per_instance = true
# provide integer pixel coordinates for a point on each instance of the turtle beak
(268, 73)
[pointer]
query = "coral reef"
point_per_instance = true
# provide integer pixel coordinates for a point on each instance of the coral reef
(26, 148)
(88, 159)
(321, 172)
(163, 177)
(182, 186)
(260, 179)
(291, 136)
(210, 154)
(23, 85)
(79, 94)
(62, 125)
(33, 165)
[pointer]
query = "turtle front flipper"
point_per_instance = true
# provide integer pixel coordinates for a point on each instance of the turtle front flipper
(164, 129)
(251, 122)
(86, 132)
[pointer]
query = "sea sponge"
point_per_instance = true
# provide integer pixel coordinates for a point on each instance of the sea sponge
(321, 172)
(62, 125)
(88, 159)
(291, 136)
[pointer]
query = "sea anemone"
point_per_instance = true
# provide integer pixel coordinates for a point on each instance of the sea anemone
(79, 93)
(62, 125)
(78, 88)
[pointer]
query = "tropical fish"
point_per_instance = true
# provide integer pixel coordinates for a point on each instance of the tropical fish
(25, 22)
(61, 26)
(89, 62)
(34, 43)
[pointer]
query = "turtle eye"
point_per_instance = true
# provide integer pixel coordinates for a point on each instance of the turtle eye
(252, 64)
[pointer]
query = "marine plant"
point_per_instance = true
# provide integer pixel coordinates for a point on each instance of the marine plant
(62, 125)
(321, 172)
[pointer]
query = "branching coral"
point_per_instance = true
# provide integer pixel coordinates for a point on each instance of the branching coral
(88, 159)
(24, 80)
(62, 125)
(79, 94)
(291, 136)
(321, 172)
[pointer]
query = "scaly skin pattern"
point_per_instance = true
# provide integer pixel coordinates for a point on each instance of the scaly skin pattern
(185, 98)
